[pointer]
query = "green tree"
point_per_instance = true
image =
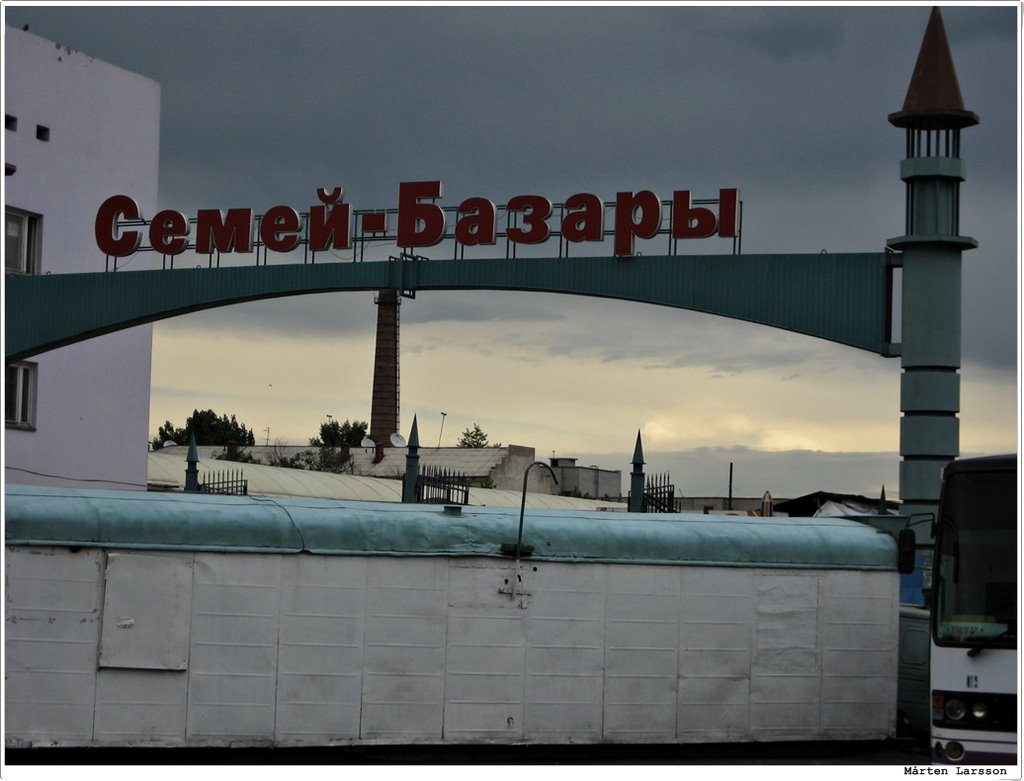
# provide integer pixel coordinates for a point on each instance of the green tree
(276, 456)
(327, 459)
(474, 437)
(209, 429)
(335, 434)
(329, 451)
(319, 459)
(239, 455)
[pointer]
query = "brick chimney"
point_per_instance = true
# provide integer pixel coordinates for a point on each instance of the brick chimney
(384, 402)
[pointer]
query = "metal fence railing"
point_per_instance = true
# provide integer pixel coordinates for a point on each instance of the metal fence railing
(436, 485)
(230, 482)
(659, 495)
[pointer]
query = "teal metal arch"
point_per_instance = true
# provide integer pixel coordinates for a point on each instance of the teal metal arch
(841, 297)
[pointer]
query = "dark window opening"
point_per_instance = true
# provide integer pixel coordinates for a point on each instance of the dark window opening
(20, 395)
(21, 242)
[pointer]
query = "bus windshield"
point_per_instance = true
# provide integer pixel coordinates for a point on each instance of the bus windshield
(976, 561)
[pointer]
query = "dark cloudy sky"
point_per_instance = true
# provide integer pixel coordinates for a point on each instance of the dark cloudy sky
(261, 106)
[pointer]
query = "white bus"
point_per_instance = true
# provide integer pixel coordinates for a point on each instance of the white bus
(974, 663)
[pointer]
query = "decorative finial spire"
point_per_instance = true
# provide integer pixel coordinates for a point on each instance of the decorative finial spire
(192, 466)
(933, 98)
(636, 478)
(412, 465)
(638, 451)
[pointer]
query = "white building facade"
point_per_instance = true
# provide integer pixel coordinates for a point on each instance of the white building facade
(76, 131)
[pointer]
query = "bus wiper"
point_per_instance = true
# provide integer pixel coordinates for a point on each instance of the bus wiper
(988, 642)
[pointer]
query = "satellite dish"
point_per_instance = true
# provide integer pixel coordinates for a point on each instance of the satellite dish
(170, 443)
(397, 440)
(367, 442)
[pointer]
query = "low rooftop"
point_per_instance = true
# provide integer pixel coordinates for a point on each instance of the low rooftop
(167, 472)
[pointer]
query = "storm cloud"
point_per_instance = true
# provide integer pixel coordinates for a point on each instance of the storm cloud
(262, 105)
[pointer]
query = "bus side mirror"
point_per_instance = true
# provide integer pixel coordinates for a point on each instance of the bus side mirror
(906, 548)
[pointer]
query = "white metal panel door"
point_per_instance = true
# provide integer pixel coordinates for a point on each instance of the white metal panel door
(404, 655)
(320, 659)
(233, 658)
(52, 617)
(142, 687)
(565, 652)
(486, 655)
(860, 614)
(641, 654)
(785, 685)
(146, 611)
(715, 653)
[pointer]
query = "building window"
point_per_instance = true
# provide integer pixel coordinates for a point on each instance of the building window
(21, 242)
(42, 132)
(20, 395)
(10, 123)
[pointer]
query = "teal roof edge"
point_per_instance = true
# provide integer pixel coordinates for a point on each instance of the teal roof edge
(168, 521)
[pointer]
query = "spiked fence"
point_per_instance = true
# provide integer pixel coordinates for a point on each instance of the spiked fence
(437, 485)
(659, 495)
(230, 482)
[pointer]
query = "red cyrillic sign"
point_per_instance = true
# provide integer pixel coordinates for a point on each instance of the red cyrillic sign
(421, 222)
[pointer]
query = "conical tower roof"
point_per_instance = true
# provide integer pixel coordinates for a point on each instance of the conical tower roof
(414, 434)
(638, 451)
(933, 98)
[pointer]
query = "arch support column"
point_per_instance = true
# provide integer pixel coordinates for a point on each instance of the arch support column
(933, 115)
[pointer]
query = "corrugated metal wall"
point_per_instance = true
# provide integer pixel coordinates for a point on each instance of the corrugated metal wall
(842, 297)
(304, 649)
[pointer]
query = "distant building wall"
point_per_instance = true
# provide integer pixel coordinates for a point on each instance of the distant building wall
(718, 504)
(78, 130)
(502, 467)
(587, 481)
(509, 473)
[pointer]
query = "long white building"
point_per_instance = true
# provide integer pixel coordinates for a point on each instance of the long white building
(76, 131)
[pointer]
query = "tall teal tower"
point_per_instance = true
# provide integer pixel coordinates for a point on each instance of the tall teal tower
(930, 253)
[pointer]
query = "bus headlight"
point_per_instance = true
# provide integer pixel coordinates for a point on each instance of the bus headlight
(955, 709)
(979, 710)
